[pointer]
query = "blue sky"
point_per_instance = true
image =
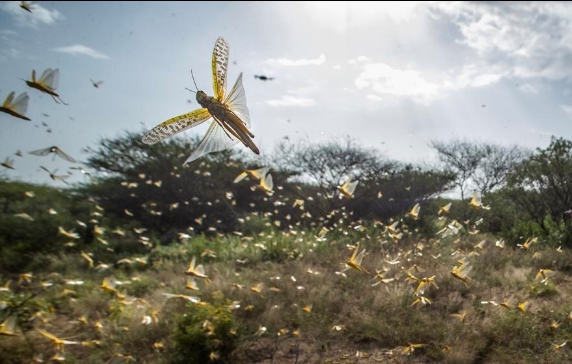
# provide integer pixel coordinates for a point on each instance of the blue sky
(393, 76)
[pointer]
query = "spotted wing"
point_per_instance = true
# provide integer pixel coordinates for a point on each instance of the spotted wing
(220, 66)
(176, 125)
(236, 101)
(50, 79)
(215, 140)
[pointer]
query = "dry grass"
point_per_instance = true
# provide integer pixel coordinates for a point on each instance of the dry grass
(296, 271)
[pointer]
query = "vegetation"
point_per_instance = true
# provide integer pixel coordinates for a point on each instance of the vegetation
(110, 271)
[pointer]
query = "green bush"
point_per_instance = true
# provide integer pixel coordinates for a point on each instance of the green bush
(22, 240)
(204, 330)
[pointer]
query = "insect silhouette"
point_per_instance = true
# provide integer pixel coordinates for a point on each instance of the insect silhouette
(230, 113)
(95, 84)
(54, 176)
(56, 151)
(48, 83)
(26, 6)
(8, 163)
(263, 78)
(16, 107)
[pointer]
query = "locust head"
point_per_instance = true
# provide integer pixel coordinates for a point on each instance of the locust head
(201, 97)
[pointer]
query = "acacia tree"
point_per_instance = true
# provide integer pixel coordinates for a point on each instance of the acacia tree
(326, 165)
(461, 158)
(484, 166)
(495, 166)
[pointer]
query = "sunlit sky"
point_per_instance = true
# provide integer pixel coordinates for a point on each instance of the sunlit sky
(393, 75)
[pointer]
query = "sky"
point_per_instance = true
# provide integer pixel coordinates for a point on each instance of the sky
(393, 76)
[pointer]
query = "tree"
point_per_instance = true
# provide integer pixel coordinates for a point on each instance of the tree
(386, 188)
(151, 182)
(461, 158)
(542, 184)
(495, 166)
(329, 163)
(484, 166)
(392, 194)
(27, 230)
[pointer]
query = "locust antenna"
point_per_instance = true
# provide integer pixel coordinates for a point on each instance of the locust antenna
(194, 80)
(188, 89)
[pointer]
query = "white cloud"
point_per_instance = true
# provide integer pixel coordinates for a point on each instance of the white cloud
(358, 60)
(297, 62)
(421, 87)
(342, 15)
(81, 49)
(485, 79)
(8, 32)
(374, 97)
(308, 90)
(9, 54)
(384, 79)
(9, 37)
(337, 67)
(288, 100)
(529, 88)
(474, 75)
(567, 109)
(531, 41)
(39, 14)
(527, 39)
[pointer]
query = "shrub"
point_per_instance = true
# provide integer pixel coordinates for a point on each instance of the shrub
(204, 330)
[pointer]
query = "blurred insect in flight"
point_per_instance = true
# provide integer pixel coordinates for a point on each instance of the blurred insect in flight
(356, 259)
(230, 113)
(57, 151)
(8, 327)
(16, 107)
(347, 189)
(26, 6)
(54, 176)
(48, 83)
(8, 163)
(414, 213)
(95, 84)
(477, 203)
(263, 78)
